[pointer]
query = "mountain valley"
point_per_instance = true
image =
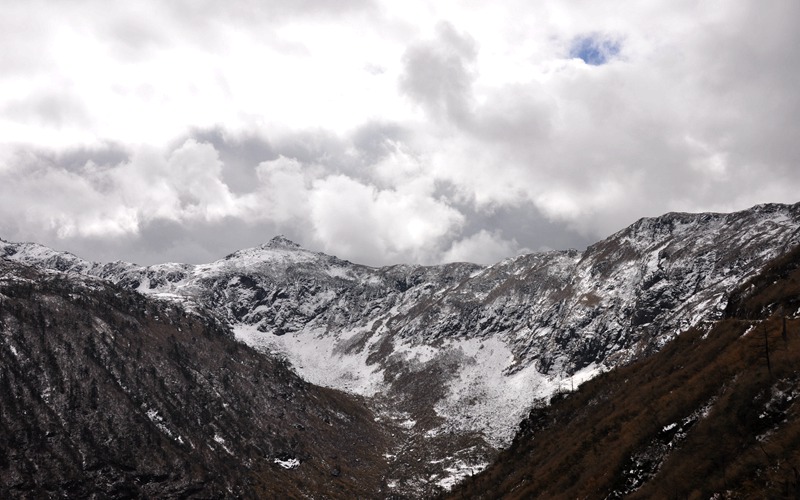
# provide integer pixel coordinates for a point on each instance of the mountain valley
(401, 381)
(713, 414)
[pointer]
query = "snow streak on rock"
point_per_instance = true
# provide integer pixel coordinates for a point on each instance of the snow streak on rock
(472, 346)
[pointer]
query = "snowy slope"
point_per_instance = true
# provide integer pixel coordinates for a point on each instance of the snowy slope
(465, 348)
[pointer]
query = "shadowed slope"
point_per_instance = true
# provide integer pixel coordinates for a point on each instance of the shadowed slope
(710, 413)
(103, 391)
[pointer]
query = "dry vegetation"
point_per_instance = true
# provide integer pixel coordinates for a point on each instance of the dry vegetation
(714, 413)
(107, 394)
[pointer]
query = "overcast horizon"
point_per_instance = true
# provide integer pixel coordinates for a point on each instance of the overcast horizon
(421, 132)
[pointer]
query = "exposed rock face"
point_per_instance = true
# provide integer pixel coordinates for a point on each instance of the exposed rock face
(460, 348)
(104, 392)
(713, 414)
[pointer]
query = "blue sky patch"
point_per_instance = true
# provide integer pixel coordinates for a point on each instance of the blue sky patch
(593, 49)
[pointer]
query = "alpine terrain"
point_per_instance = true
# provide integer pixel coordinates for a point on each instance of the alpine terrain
(714, 414)
(425, 372)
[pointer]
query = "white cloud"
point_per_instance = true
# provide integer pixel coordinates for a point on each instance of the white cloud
(283, 195)
(378, 226)
(181, 185)
(67, 204)
(111, 201)
(483, 247)
(390, 132)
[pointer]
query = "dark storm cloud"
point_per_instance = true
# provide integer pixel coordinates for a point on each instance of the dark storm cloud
(526, 225)
(354, 154)
(240, 154)
(438, 75)
(375, 140)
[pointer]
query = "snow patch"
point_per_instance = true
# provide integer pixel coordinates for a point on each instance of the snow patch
(222, 443)
(458, 472)
(317, 357)
(483, 395)
(482, 398)
(417, 353)
(158, 421)
(338, 272)
(749, 329)
(408, 424)
(289, 463)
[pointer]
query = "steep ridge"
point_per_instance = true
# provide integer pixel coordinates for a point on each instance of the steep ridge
(457, 354)
(714, 414)
(105, 393)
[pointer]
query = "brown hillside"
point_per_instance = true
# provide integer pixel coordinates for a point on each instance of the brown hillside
(107, 394)
(714, 413)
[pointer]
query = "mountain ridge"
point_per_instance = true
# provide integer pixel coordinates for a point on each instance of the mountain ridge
(713, 414)
(106, 393)
(461, 349)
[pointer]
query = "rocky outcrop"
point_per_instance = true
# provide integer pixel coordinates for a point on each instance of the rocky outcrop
(459, 349)
(105, 393)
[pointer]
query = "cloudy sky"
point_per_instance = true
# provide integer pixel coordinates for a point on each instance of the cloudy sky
(387, 132)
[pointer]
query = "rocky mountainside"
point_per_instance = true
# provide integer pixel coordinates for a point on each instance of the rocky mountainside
(105, 393)
(457, 354)
(713, 414)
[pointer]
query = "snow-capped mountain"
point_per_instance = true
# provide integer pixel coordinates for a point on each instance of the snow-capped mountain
(460, 348)
(106, 393)
(715, 413)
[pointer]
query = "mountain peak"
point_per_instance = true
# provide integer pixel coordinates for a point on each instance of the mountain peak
(282, 241)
